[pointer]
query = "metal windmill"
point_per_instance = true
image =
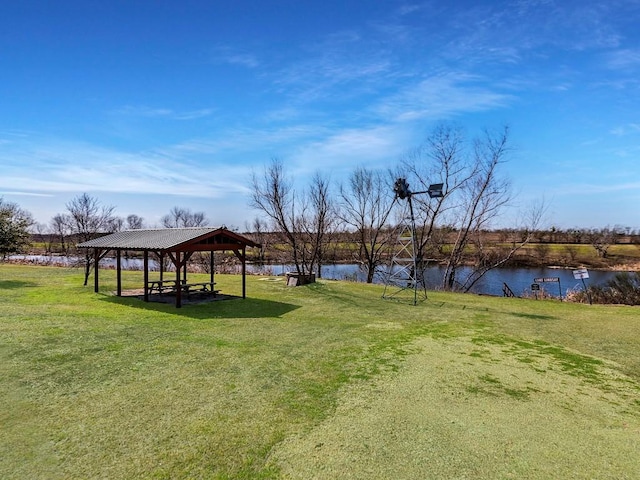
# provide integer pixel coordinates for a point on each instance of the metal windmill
(403, 270)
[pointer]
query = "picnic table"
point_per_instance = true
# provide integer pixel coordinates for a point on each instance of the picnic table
(199, 287)
(162, 286)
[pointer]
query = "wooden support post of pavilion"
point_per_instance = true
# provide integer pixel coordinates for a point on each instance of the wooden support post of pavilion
(145, 266)
(96, 262)
(119, 272)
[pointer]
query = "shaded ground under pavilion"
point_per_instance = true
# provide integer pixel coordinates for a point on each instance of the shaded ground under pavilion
(177, 244)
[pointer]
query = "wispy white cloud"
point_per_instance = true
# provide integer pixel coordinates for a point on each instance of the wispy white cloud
(13, 133)
(523, 31)
(194, 114)
(441, 96)
(631, 128)
(149, 112)
(262, 142)
(599, 188)
(342, 65)
(207, 168)
(624, 59)
(329, 77)
(409, 8)
(245, 60)
(341, 151)
(56, 167)
(143, 111)
(561, 87)
(586, 26)
(25, 194)
(233, 56)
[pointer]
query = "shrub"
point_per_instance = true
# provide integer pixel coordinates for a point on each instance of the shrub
(624, 289)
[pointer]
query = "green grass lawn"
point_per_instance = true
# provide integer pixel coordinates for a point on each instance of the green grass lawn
(321, 381)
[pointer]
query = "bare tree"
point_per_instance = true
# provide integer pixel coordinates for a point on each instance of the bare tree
(258, 233)
(542, 251)
(87, 219)
(116, 224)
(474, 193)
(366, 203)
(576, 235)
(179, 217)
(43, 233)
(601, 239)
(300, 222)
(60, 228)
(316, 221)
(273, 195)
(572, 251)
(134, 222)
(484, 194)
(441, 159)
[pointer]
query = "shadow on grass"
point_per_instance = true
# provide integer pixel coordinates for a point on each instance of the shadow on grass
(15, 284)
(227, 307)
(349, 298)
(534, 316)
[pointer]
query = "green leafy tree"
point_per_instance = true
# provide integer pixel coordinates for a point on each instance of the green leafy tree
(14, 228)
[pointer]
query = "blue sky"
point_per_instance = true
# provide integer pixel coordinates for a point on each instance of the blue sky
(148, 105)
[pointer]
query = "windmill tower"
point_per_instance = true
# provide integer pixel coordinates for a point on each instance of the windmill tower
(403, 277)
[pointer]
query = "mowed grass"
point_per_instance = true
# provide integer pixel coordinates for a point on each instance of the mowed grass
(95, 386)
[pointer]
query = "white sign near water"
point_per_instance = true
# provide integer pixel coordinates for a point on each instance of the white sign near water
(580, 274)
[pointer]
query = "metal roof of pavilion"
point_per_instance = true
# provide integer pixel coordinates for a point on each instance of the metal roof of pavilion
(165, 239)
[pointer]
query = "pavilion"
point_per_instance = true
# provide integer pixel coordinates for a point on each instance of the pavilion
(177, 244)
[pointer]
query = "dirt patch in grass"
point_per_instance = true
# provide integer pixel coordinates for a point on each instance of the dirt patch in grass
(467, 409)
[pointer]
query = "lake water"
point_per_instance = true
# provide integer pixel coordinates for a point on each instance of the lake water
(519, 280)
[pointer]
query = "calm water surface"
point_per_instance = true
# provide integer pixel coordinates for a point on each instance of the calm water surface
(519, 280)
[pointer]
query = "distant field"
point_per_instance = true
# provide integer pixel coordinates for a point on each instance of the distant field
(322, 381)
(576, 254)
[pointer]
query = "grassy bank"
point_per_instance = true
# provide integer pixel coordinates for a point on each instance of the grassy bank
(287, 382)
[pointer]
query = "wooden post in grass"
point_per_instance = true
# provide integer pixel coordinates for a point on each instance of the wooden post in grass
(145, 267)
(212, 269)
(244, 272)
(178, 283)
(96, 261)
